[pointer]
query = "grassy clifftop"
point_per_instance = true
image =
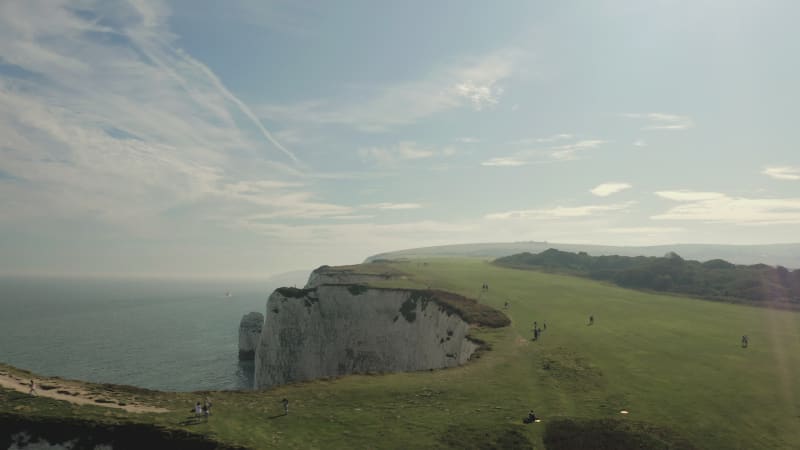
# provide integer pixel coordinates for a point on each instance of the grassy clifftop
(674, 363)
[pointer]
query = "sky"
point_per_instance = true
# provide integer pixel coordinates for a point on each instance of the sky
(247, 138)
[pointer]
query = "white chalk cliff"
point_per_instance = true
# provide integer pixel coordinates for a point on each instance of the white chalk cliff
(250, 334)
(332, 330)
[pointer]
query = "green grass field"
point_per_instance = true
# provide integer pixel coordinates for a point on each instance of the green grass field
(675, 363)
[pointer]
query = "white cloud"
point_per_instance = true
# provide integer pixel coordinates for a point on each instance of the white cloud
(504, 162)
(563, 152)
(480, 95)
(783, 172)
(689, 196)
(392, 206)
(353, 217)
(639, 143)
(606, 189)
(474, 83)
(713, 207)
(643, 230)
(404, 151)
(541, 140)
(397, 235)
(569, 151)
(662, 121)
(559, 212)
(468, 140)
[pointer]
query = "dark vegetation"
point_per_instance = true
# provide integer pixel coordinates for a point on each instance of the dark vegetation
(609, 434)
(89, 434)
(357, 289)
(293, 292)
(409, 307)
(716, 279)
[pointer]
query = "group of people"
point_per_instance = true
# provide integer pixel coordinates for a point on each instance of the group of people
(204, 409)
(485, 287)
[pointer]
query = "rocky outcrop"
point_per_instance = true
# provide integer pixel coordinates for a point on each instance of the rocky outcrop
(333, 330)
(250, 334)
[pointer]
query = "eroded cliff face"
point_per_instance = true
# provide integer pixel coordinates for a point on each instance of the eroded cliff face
(250, 335)
(333, 330)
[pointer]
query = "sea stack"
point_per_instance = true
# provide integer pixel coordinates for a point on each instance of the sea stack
(249, 335)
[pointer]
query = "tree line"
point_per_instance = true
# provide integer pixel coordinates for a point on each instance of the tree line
(716, 279)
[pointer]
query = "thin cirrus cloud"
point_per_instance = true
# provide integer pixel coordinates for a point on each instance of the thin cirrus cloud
(715, 207)
(559, 212)
(783, 173)
(474, 83)
(661, 121)
(606, 189)
(108, 118)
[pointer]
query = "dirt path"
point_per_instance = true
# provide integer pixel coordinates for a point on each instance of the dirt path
(71, 392)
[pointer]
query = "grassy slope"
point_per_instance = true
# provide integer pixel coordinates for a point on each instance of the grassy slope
(672, 362)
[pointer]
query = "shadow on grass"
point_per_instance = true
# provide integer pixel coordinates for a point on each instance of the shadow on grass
(276, 416)
(192, 421)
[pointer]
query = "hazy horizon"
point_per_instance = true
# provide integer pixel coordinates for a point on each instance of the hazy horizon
(186, 139)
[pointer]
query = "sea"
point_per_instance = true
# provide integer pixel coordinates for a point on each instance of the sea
(177, 335)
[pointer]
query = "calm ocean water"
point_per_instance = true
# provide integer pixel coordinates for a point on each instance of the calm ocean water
(168, 335)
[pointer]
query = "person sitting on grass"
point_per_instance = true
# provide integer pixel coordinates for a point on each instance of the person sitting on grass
(531, 417)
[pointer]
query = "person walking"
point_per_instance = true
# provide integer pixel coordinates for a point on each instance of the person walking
(285, 406)
(32, 390)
